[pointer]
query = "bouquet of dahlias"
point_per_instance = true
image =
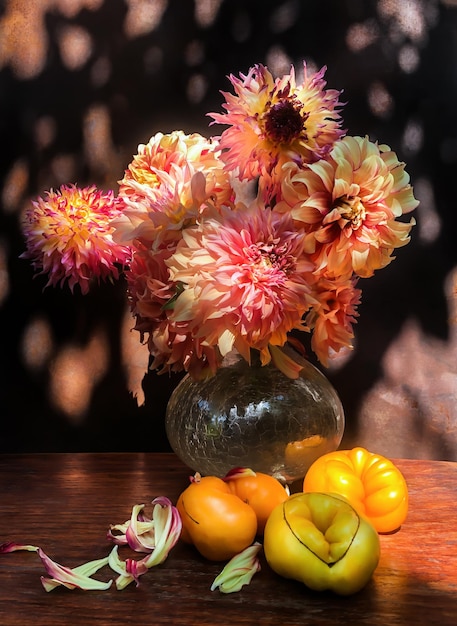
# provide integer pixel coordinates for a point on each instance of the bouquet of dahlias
(234, 241)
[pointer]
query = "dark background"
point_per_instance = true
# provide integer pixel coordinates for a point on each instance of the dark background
(142, 84)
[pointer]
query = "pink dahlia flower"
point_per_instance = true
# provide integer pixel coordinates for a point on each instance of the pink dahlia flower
(245, 280)
(152, 295)
(69, 236)
(273, 121)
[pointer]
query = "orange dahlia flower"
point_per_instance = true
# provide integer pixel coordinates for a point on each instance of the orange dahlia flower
(349, 204)
(333, 316)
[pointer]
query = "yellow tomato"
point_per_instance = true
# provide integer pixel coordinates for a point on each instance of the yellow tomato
(372, 483)
(215, 520)
(261, 491)
(321, 541)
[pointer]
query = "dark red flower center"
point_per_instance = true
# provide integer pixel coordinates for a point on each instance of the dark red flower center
(284, 121)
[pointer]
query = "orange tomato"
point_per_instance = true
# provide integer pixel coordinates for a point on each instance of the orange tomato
(217, 522)
(370, 482)
(261, 491)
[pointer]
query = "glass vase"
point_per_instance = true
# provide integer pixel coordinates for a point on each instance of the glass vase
(254, 416)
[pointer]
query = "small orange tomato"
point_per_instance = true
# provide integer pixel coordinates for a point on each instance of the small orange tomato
(370, 482)
(217, 522)
(261, 491)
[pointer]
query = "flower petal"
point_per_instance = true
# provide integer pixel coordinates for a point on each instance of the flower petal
(168, 527)
(288, 366)
(117, 565)
(76, 578)
(164, 528)
(239, 570)
(239, 472)
(11, 546)
(140, 532)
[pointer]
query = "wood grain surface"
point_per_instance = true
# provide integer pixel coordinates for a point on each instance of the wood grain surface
(65, 503)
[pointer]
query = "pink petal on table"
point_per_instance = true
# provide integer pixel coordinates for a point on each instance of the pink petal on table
(11, 546)
(72, 578)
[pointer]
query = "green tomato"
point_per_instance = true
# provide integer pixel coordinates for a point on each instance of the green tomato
(320, 540)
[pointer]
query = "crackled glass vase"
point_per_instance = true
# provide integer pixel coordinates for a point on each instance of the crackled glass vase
(254, 416)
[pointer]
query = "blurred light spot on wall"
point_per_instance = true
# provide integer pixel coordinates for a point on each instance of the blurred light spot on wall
(408, 58)
(23, 40)
(413, 137)
(379, 100)
(194, 53)
(74, 373)
(63, 168)
(360, 36)
(15, 186)
(428, 219)
(197, 88)
(241, 27)
(135, 357)
(278, 61)
(101, 71)
(143, 16)
(71, 384)
(284, 16)
(70, 8)
(23, 36)
(98, 146)
(413, 403)
(45, 131)
(37, 344)
(153, 60)
(4, 276)
(97, 354)
(411, 18)
(206, 11)
(75, 47)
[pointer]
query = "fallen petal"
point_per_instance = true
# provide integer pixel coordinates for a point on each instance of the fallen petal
(136, 568)
(120, 539)
(140, 533)
(238, 571)
(76, 578)
(167, 528)
(119, 566)
(166, 523)
(11, 546)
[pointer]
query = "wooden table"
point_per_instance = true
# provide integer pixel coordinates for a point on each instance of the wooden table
(66, 502)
